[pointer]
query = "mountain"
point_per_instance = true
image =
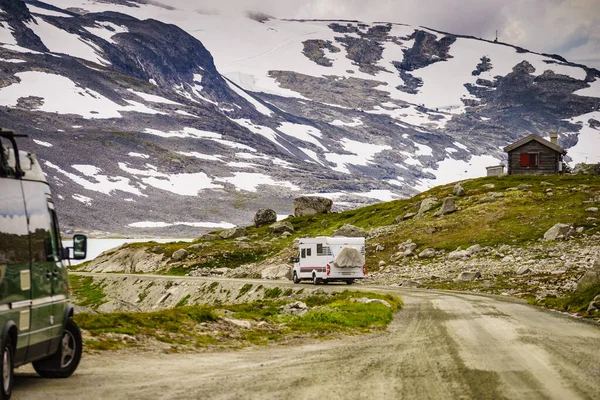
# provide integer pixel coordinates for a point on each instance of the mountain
(150, 119)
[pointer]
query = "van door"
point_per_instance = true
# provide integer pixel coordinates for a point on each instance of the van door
(43, 259)
(15, 265)
(60, 282)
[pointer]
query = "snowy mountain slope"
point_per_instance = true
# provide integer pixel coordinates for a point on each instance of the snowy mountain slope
(196, 120)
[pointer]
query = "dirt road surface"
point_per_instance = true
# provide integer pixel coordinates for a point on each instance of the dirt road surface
(440, 346)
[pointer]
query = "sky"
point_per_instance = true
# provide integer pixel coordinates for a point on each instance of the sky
(570, 28)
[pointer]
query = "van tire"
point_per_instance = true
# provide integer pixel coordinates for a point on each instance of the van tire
(66, 359)
(295, 278)
(350, 282)
(7, 370)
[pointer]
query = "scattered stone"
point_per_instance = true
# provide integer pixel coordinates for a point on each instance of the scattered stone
(295, 308)
(369, 301)
(379, 248)
(208, 237)
(590, 278)
(507, 259)
(559, 231)
(488, 186)
(544, 183)
(427, 253)
(448, 207)
(286, 235)
(408, 245)
(157, 249)
(381, 264)
(281, 227)
(476, 248)
(522, 270)
(458, 254)
(220, 271)
(594, 304)
(264, 216)
(459, 190)
(427, 204)
(281, 271)
(405, 217)
(349, 230)
(504, 249)
(592, 209)
(524, 186)
(233, 233)
(468, 276)
(409, 283)
(310, 205)
(179, 255)
(240, 323)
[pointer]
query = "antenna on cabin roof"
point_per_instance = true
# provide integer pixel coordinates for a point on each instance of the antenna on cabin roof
(496, 40)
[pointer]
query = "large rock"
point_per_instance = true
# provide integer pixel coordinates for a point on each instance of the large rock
(459, 254)
(448, 207)
(594, 304)
(468, 276)
(590, 278)
(127, 260)
(179, 255)
(458, 190)
(350, 231)
(264, 216)
(310, 205)
(233, 233)
(427, 204)
(281, 227)
(427, 253)
(559, 231)
(280, 271)
(208, 237)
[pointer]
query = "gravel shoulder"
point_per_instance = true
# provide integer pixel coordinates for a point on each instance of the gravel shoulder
(441, 345)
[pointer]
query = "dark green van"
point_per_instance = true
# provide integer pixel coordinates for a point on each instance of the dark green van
(36, 322)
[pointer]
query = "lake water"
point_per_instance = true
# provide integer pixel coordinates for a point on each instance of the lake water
(97, 246)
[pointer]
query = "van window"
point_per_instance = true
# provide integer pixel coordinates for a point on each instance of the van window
(55, 235)
(303, 253)
(308, 252)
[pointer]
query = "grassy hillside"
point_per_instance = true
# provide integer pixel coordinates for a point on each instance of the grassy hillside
(519, 216)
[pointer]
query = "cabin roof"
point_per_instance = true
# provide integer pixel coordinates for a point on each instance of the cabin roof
(538, 139)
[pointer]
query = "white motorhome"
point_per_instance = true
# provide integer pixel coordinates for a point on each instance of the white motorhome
(330, 259)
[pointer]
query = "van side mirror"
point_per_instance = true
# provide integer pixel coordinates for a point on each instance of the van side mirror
(294, 259)
(79, 247)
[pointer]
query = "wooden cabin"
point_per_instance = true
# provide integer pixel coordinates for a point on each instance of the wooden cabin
(535, 156)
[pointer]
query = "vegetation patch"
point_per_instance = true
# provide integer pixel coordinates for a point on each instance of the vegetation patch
(576, 302)
(244, 289)
(87, 292)
(191, 327)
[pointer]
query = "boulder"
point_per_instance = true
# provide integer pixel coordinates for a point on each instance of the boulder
(427, 204)
(280, 227)
(179, 255)
(208, 237)
(310, 205)
(233, 233)
(559, 231)
(408, 245)
(264, 216)
(280, 271)
(458, 190)
(427, 253)
(448, 207)
(295, 308)
(458, 254)
(592, 209)
(468, 276)
(590, 278)
(350, 231)
(476, 248)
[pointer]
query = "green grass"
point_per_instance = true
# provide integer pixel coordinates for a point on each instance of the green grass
(182, 326)
(576, 302)
(244, 289)
(88, 293)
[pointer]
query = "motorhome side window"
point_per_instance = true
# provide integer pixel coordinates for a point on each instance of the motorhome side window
(323, 250)
(303, 253)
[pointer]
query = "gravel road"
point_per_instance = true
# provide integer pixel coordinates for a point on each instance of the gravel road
(441, 345)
